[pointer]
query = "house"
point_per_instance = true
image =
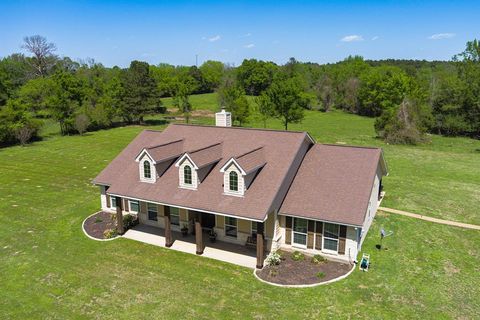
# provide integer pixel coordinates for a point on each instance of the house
(268, 188)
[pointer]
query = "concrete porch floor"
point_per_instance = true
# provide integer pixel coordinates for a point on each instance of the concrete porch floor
(224, 251)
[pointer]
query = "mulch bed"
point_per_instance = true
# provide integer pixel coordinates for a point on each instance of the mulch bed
(95, 225)
(302, 272)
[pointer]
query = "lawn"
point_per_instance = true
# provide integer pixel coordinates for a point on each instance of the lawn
(51, 270)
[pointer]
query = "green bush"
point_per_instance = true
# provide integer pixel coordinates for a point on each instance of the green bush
(98, 219)
(109, 233)
(129, 221)
(317, 259)
(320, 275)
(273, 259)
(298, 256)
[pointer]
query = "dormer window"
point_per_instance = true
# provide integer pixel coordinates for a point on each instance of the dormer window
(147, 171)
(233, 179)
(187, 175)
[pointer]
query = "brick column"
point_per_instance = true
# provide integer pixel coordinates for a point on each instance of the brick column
(198, 236)
(120, 229)
(168, 228)
(260, 249)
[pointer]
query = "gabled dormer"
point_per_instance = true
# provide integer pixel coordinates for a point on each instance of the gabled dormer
(194, 166)
(239, 172)
(154, 161)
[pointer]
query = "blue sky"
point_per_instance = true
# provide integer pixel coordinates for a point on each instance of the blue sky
(116, 32)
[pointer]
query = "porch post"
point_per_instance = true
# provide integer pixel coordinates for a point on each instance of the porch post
(168, 228)
(198, 236)
(260, 248)
(120, 229)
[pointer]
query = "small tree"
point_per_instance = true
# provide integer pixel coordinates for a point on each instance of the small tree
(405, 124)
(24, 133)
(264, 108)
(232, 96)
(81, 123)
(287, 101)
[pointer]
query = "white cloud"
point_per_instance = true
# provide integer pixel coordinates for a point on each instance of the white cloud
(375, 38)
(249, 46)
(352, 38)
(440, 36)
(214, 38)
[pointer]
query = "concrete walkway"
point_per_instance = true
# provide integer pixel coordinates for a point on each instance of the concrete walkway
(426, 218)
(223, 251)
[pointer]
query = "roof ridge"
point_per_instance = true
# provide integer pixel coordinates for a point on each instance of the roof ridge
(203, 148)
(348, 146)
(237, 128)
(251, 151)
(164, 144)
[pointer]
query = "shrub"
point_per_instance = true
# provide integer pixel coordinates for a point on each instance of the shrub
(273, 258)
(273, 272)
(316, 259)
(298, 256)
(320, 275)
(110, 233)
(98, 219)
(129, 221)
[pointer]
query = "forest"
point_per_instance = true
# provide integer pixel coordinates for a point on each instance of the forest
(409, 98)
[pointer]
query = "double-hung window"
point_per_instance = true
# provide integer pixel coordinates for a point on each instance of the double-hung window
(174, 216)
(300, 232)
(330, 236)
(231, 227)
(113, 202)
(187, 175)
(233, 181)
(152, 210)
(254, 228)
(134, 206)
(147, 171)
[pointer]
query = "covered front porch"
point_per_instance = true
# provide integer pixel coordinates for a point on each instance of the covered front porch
(219, 250)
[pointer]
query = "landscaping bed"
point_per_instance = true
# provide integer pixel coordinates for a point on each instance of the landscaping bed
(295, 268)
(96, 225)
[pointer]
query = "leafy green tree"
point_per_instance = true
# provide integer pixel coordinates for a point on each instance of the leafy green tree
(383, 88)
(255, 76)
(16, 124)
(264, 108)
(212, 72)
(14, 72)
(65, 99)
(287, 100)
(231, 96)
(141, 94)
(181, 99)
(35, 93)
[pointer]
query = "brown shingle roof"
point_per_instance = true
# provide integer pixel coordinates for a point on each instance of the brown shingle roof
(280, 149)
(334, 183)
(166, 151)
(206, 155)
(252, 160)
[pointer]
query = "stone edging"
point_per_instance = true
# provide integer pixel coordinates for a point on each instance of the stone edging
(93, 238)
(304, 285)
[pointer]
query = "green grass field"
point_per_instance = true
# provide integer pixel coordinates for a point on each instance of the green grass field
(49, 269)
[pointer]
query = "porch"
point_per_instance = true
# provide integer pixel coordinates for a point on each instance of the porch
(220, 250)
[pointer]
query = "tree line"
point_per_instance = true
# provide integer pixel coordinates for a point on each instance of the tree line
(408, 98)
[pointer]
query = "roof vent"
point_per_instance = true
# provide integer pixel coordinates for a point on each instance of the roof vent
(223, 118)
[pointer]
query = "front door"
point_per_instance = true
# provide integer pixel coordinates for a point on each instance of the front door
(207, 220)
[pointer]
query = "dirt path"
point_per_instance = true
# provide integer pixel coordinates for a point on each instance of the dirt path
(426, 218)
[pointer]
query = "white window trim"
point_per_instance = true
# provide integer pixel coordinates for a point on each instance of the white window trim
(177, 215)
(298, 245)
(231, 225)
(153, 172)
(130, 205)
(328, 238)
(156, 210)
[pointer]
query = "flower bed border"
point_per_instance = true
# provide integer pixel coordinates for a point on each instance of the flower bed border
(93, 238)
